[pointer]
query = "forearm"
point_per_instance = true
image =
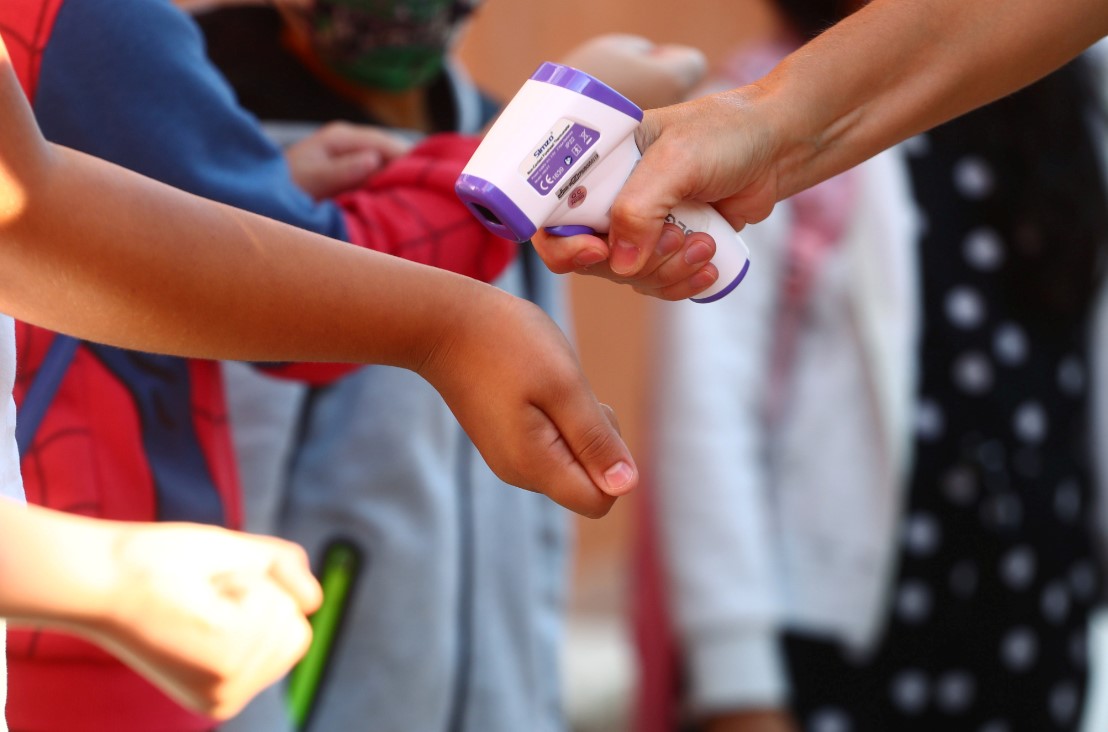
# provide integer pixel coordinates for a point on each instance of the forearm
(216, 281)
(46, 550)
(924, 62)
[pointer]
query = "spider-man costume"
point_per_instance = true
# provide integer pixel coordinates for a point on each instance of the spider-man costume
(137, 436)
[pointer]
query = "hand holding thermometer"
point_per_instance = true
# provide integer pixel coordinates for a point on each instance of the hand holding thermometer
(558, 155)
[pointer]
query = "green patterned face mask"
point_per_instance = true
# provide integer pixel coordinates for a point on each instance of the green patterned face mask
(394, 45)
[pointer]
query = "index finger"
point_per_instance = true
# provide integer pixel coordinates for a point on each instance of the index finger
(641, 207)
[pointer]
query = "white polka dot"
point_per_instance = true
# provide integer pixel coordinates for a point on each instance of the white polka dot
(929, 420)
(829, 719)
(913, 601)
(960, 485)
(1083, 580)
(973, 373)
(1063, 702)
(909, 691)
(921, 534)
(965, 307)
(1017, 567)
(983, 249)
(954, 691)
(1010, 344)
(1067, 501)
(917, 146)
(1071, 376)
(996, 725)
(1019, 648)
(1055, 602)
(973, 177)
(963, 579)
(1003, 511)
(1030, 422)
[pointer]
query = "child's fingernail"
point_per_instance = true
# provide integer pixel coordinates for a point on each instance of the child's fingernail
(625, 256)
(618, 476)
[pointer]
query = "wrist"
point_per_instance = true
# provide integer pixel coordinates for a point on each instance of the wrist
(452, 329)
(71, 552)
(794, 140)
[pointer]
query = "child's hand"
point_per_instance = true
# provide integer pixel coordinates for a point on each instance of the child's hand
(209, 615)
(677, 269)
(514, 383)
(341, 156)
(649, 75)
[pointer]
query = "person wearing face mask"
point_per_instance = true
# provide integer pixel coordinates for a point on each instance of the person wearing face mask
(430, 628)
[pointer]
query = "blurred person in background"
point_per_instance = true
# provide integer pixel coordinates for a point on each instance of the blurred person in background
(876, 491)
(427, 625)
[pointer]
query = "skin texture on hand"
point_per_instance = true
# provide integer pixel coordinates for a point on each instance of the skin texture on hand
(209, 615)
(340, 156)
(527, 397)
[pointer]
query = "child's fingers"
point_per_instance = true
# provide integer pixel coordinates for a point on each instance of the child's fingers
(596, 444)
(343, 137)
(289, 569)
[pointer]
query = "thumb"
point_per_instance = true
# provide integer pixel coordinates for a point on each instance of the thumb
(289, 569)
(641, 207)
(595, 441)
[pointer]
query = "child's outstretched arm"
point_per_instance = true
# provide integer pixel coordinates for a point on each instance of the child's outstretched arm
(102, 253)
(209, 615)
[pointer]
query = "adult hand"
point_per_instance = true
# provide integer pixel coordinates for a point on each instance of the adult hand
(649, 74)
(514, 383)
(677, 269)
(769, 720)
(341, 156)
(210, 616)
(715, 149)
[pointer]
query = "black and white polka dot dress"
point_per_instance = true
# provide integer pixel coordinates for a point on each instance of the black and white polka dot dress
(987, 616)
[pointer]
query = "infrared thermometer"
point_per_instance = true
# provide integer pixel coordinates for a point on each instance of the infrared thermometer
(556, 158)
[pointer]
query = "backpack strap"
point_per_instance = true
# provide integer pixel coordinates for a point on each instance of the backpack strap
(41, 393)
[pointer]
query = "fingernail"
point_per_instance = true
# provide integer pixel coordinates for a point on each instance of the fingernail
(698, 253)
(618, 476)
(589, 257)
(625, 256)
(670, 241)
(703, 279)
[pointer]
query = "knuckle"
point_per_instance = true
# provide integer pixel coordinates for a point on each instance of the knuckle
(596, 442)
